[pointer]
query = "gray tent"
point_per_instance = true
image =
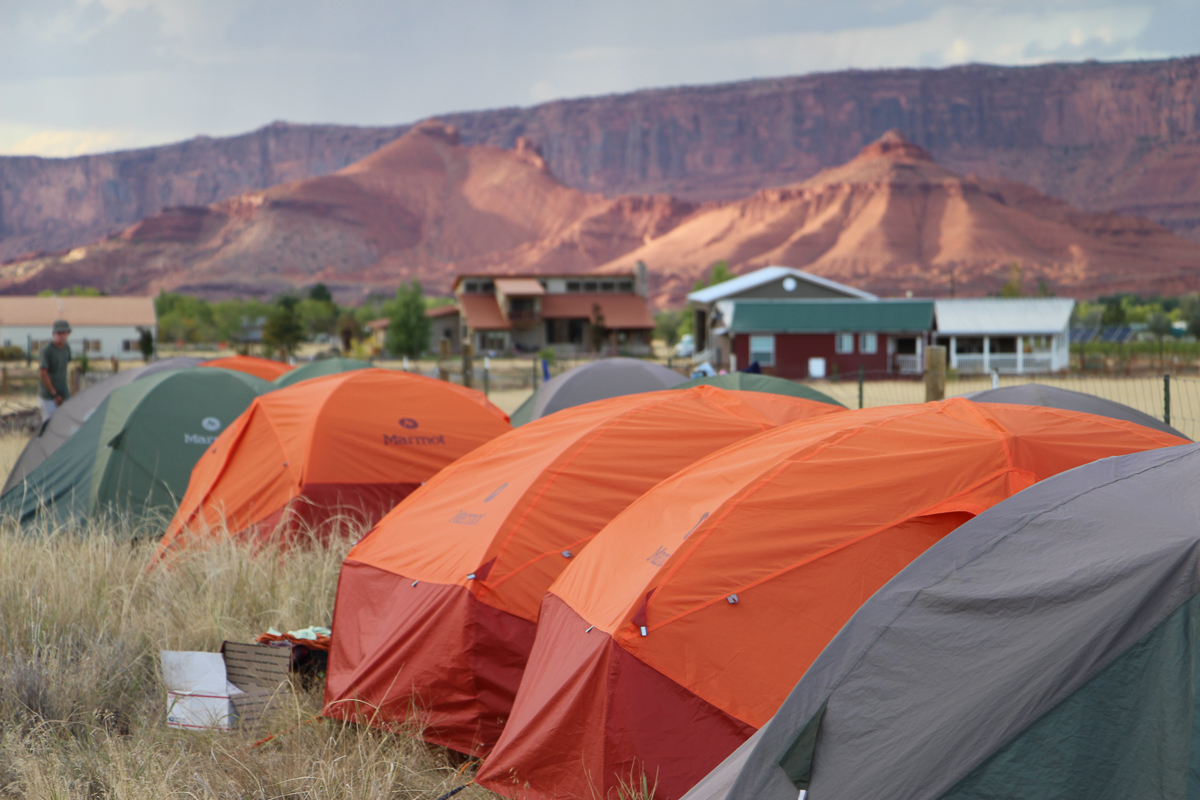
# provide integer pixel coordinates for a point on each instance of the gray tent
(1049, 648)
(751, 382)
(596, 380)
(75, 411)
(1038, 394)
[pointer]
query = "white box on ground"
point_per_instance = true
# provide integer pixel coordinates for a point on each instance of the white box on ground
(198, 693)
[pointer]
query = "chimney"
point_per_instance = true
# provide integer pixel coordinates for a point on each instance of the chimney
(640, 284)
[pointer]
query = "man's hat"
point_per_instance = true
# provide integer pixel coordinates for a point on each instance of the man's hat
(62, 326)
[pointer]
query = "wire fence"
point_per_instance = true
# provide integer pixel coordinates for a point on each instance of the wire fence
(1175, 400)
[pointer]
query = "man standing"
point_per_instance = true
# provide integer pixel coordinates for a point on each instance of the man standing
(52, 370)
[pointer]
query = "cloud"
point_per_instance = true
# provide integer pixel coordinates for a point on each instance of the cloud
(23, 140)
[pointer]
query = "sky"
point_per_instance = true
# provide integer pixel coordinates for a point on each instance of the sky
(84, 76)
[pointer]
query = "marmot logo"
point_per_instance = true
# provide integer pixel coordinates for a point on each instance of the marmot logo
(408, 423)
(210, 424)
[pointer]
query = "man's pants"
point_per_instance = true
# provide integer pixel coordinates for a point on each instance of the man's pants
(48, 408)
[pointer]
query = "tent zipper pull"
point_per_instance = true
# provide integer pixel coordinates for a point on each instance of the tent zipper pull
(643, 630)
(733, 599)
(589, 630)
(566, 553)
(415, 583)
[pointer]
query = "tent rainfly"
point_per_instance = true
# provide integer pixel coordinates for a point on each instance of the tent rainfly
(136, 451)
(327, 452)
(76, 410)
(476, 548)
(263, 368)
(689, 618)
(1046, 649)
(750, 382)
(1039, 394)
(595, 380)
(324, 366)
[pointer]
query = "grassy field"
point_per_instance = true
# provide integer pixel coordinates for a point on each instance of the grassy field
(82, 704)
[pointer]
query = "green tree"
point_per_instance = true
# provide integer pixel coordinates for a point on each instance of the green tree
(349, 330)
(283, 331)
(718, 273)
(317, 316)
(408, 327)
(146, 343)
(1013, 288)
(667, 325)
(184, 318)
(1114, 313)
(73, 291)
(320, 293)
(1160, 326)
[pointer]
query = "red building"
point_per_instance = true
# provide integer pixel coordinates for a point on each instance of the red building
(825, 338)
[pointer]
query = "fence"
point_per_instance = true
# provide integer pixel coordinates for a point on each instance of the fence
(1181, 407)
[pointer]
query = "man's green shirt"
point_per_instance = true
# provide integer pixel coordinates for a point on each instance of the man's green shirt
(54, 360)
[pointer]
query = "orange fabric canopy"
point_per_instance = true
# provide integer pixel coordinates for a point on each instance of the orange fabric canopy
(436, 607)
(351, 444)
(263, 368)
(692, 614)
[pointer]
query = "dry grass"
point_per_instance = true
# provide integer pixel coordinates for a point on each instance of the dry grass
(82, 704)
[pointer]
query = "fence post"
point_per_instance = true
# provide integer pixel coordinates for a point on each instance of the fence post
(468, 364)
(487, 368)
(1167, 398)
(935, 373)
(535, 375)
(443, 357)
(4, 381)
(995, 379)
(861, 372)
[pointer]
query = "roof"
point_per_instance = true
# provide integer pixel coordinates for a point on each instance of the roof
(620, 310)
(766, 275)
(830, 316)
(520, 287)
(79, 311)
(482, 312)
(991, 316)
(381, 323)
(441, 311)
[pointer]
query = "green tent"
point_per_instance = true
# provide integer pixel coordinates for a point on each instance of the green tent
(325, 366)
(136, 451)
(750, 382)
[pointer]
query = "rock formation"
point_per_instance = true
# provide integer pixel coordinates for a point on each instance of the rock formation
(1123, 137)
(428, 207)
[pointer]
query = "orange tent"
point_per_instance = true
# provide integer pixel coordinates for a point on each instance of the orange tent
(258, 367)
(691, 616)
(344, 446)
(436, 608)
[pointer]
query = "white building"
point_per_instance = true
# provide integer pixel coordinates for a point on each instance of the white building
(1006, 335)
(100, 326)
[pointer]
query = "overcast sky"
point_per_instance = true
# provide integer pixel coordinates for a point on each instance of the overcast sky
(79, 76)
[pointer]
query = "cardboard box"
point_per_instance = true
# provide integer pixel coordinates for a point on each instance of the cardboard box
(221, 690)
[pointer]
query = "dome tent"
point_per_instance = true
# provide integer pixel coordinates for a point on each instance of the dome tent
(683, 626)
(753, 382)
(1039, 394)
(76, 411)
(263, 368)
(324, 366)
(476, 548)
(1046, 649)
(595, 380)
(339, 448)
(136, 451)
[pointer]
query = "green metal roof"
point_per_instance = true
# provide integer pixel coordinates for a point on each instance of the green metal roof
(831, 316)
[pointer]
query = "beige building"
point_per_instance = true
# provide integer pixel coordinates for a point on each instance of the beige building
(102, 327)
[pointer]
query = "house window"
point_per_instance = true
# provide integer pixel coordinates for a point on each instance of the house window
(868, 343)
(607, 286)
(590, 286)
(762, 350)
(843, 343)
(572, 286)
(625, 286)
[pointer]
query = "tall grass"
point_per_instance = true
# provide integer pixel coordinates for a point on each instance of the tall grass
(82, 703)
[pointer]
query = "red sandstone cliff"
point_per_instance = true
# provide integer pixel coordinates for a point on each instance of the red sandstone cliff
(428, 207)
(1122, 137)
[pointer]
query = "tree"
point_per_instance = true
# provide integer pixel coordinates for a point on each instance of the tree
(1160, 326)
(1114, 313)
(283, 330)
(320, 293)
(718, 273)
(146, 343)
(408, 327)
(317, 316)
(667, 325)
(349, 330)
(1013, 288)
(599, 331)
